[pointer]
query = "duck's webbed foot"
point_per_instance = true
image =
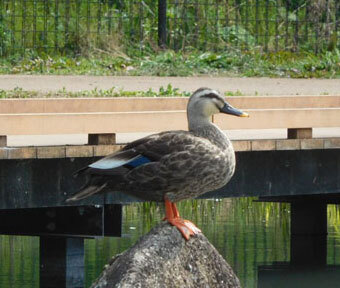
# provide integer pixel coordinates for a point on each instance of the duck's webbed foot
(186, 227)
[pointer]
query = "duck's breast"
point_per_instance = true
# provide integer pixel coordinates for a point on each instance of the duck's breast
(207, 172)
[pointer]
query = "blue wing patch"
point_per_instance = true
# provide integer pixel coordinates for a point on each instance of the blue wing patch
(139, 161)
(114, 161)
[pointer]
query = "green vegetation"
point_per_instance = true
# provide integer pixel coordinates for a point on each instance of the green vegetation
(208, 25)
(169, 91)
(170, 63)
(106, 37)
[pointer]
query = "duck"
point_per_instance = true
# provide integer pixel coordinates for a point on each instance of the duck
(170, 166)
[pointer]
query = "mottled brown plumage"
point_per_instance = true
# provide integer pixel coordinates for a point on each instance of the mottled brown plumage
(176, 165)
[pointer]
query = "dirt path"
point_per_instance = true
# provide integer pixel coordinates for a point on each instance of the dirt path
(247, 86)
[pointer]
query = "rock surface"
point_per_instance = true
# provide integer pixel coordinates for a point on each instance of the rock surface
(162, 258)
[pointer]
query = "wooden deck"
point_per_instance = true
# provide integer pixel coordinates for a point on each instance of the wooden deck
(103, 117)
(117, 115)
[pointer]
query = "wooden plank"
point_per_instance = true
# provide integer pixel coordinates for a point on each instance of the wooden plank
(242, 145)
(263, 145)
(284, 102)
(103, 150)
(96, 123)
(91, 123)
(79, 151)
(288, 144)
(22, 153)
(281, 118)
(51, 152)
(307, 144)
(83, 105)
(332, 143)
(120, 104)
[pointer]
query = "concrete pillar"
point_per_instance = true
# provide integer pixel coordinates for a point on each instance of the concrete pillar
(61, 262)
(308, 232)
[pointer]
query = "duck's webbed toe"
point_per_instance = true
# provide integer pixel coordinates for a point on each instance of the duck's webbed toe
(186, 227)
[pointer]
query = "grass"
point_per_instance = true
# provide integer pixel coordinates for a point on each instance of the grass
(169, 91)
(170, 63)
(75, 26)
(120, 38)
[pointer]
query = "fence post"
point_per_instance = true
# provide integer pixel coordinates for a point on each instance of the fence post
(162, 23)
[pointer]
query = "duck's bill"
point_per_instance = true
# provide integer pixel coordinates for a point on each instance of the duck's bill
(228, 109)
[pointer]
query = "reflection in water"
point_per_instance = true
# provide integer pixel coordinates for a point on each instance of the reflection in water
(333, 241)
(247, 234)
(19, 262)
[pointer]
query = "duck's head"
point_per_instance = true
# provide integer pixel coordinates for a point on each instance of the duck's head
(205, 102)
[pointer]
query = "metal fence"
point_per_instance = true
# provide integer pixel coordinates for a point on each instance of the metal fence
(72, 25)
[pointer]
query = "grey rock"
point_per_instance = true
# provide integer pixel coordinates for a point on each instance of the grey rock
(162, 258)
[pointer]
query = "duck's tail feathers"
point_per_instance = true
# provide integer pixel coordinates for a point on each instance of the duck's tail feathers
(79, 172)
(86, 192)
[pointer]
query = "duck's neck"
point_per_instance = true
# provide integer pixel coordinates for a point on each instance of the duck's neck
(202, 127)
(196, 122)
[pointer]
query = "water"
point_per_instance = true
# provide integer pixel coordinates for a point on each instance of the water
(246, 233)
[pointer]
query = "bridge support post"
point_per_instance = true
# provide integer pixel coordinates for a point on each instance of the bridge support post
(62, 231)
(308, 232)
(300, 133)
(3, 141)
(61, 262)
(102, 139)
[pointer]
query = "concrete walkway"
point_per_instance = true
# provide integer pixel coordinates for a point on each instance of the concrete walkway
(247, 86)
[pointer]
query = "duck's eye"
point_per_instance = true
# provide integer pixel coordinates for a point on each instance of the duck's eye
(211, 96)
(218, 102)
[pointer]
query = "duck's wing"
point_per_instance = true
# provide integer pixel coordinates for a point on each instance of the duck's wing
(113, 164)
(109, 168)
(156, 146)
(134, 156)
(148, 149)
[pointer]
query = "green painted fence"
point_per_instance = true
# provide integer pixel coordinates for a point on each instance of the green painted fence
(71, 26)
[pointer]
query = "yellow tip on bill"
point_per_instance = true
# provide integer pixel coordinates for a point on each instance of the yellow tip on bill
(244, 114)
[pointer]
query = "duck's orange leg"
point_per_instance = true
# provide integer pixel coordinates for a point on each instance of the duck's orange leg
(186, 227)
